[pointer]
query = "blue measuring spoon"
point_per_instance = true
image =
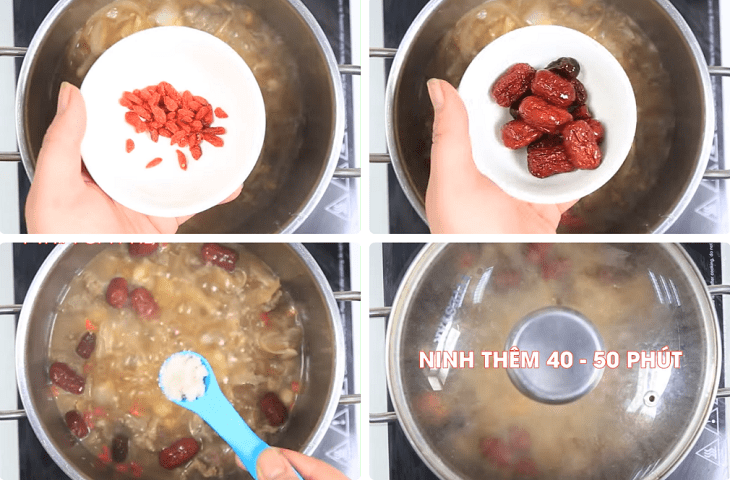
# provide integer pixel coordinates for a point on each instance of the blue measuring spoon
(217, 411)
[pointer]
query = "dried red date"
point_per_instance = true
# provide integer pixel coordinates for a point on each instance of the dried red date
(597, 128)
(519, 438)
(117, 292)
(143, 303)
(526, 468)
(582, 113)
(581, 95)
(431, 408)
(220, 256)
(142, 249)
(566, 67)
(513, 84)
(548, 157)
(518, 134)
(581, 146)
(542, 115)
(120, 448)
(86, 345)
(64, 377)
(553, 88)
(274, 409)
(179, 453)
(76, 423)
(496, 452)
(506, 280)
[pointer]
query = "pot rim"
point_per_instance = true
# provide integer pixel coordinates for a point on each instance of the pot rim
(30, 407)
(338, 133)
(709, 117)
(432, 459)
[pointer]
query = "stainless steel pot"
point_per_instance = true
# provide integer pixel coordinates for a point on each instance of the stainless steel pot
(408, 111)
(304, 172)
(456, 298)
(300, 276)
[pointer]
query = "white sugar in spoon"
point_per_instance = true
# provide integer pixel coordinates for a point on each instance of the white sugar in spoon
(188, 374)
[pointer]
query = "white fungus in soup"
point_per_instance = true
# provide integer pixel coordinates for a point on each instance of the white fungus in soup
(234, 315)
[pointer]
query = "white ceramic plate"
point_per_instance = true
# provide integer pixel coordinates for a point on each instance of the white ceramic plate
(610, 99)
(191, 60)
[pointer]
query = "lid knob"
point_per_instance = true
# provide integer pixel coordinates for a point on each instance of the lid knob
(556, 329)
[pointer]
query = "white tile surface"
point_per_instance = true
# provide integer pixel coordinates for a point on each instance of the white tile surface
(378, 396)
(378, 171)
(9, 460)
(9, 215)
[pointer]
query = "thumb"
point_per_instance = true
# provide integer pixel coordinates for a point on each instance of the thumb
(451, 150)
(272, 465)
(60, 156)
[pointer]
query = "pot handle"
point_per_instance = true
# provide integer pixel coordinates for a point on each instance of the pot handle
(717, 174)
(721, 290)
(387, 417)
(10, 309)
(347, 69)
(383, 52)
(379, 158)
(347, 173)
(380, 312)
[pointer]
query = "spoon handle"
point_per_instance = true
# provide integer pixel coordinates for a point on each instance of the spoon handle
(231, 427)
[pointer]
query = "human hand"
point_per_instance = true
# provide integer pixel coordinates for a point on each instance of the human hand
(63, 198)
(276, 464)
(459, 199)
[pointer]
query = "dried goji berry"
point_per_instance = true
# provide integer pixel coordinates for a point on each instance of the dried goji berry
(581, 145)
(547, 157)
(196, 152)
(142, 112)
(171, 104)
(214, 140)
(553, 88)
(220, 113)
(154, 162)
(182, 160)
(518, 134)
(513, 84)
(542, 115)
(130, 145)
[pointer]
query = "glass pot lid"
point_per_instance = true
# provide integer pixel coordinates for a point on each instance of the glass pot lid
(569, 361)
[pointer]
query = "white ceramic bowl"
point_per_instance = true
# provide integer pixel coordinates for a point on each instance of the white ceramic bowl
(191, 60)
(610, 99)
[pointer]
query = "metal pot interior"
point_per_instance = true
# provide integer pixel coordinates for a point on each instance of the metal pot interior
(323, 353)
(291, 175)
(673, 170)
(478, 422)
